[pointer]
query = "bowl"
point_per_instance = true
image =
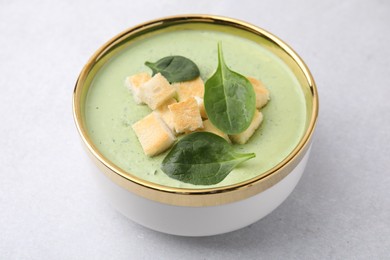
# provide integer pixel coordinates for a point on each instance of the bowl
(198, 211)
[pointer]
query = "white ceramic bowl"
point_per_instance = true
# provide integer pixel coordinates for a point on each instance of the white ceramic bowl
(199, 212)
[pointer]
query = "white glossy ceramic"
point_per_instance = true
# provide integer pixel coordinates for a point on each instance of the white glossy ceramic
(199, 221)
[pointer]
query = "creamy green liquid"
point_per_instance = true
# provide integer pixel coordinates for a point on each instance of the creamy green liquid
(110, 109)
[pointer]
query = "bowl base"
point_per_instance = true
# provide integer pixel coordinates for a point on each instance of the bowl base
(200, 221)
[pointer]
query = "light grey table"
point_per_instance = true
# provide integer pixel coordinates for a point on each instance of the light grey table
(50, 206)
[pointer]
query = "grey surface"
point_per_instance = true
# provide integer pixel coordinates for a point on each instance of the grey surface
(50, 207)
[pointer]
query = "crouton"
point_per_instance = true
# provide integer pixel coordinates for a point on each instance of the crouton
(186, 115)
(192, 88)
(209, 127)
(156, 91)
(243, 137)
(153, 134)
(262, 94)
(202, 110)
(134, 83)
(166, 114)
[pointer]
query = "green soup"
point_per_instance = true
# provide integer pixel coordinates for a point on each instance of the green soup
(110, 109)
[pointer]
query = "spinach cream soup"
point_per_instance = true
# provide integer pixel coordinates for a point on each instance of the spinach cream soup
(110, 109)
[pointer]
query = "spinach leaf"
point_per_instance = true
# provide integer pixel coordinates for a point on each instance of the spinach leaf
(202, 158)
(229, 99)
(175, 68)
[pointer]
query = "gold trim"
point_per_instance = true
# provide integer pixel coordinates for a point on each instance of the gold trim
(195, 197)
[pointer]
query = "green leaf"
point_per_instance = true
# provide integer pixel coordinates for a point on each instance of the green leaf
(202, 158)
(175, 68)
(229, 99)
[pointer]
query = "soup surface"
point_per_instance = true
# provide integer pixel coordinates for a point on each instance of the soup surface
(110, 109)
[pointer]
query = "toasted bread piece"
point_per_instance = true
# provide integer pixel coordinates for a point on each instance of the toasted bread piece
(153, 134)
(209, 127)
(202, 110)
(134, 83)
(262, 94)
(243, 137)
(156, 91)
(192, 88)
(166, 114)
(186, 115)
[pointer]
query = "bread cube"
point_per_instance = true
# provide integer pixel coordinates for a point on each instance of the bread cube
(134, 83)
(186, 115)
(243, 137)
(153, 134)
(166, 114)
(156, 91)
(262, 94)
(202, 110)
(192, 88)
(209, 127)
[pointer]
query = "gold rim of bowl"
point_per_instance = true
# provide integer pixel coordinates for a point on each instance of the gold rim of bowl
(206, 196)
